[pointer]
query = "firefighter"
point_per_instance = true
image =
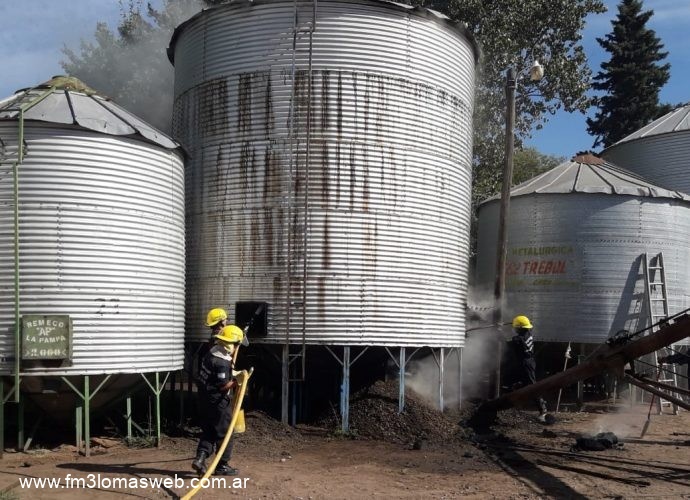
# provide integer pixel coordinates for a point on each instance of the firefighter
(216, 381)
(521, 349)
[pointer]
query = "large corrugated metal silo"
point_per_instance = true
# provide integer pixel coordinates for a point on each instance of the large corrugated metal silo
(659, 151)
(576, 236)
(99, 235)
(330, 168)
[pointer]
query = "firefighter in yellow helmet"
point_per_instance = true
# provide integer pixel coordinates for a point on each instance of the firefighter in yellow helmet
(216, 319)
(521, 351)
(215, 384)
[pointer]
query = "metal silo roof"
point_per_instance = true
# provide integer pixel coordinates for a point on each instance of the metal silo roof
(591, 174)
(71, 102)
(675, 121)
(432, 14)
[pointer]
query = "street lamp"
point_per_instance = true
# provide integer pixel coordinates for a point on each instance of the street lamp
(536, 73)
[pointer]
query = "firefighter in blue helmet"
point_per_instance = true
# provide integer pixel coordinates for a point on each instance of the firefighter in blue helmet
(215, 382)
(521, 351)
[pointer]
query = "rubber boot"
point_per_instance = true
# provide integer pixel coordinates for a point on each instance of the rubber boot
(199, 463)
(224, 469)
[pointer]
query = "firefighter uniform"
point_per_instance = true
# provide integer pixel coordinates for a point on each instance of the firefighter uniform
(215, 381)
(521, 349)
(215, 371)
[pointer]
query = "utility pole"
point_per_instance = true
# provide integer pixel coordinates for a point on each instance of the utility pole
(501, 247)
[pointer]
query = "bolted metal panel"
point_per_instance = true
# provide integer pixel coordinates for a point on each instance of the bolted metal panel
(101, 224)
(574, 260)
(663, 159)
(381, 133)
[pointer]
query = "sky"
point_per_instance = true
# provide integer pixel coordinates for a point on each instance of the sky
(34, 32)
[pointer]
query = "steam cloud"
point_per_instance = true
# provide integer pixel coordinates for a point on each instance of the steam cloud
(478, 359)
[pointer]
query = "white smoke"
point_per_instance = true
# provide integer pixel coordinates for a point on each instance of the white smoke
(136, 74)
(478, 359)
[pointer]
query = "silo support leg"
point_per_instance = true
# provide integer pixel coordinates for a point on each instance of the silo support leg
(87, 417)
(440, 363)
(346, 363)
(345, 391)
(2, 417)
(441, 376)
(401, 379)
(20, 425)
(285, 386)
(157, 393)
(459, 353)
(581, 383)
(4, 399)
(129, 418)
(86, 398)
(400, 363)
(78, 427)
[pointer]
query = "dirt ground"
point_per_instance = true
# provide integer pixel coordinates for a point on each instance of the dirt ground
(517, 458)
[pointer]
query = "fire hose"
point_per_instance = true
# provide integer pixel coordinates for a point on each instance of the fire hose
(242, 381)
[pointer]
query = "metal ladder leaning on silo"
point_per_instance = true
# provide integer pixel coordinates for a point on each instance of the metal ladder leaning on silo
(288, 357)
(657, 307)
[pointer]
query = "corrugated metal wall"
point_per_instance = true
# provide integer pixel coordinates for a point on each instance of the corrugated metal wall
(574, 263)
(388, 170)
(663, 159)
(101, 240)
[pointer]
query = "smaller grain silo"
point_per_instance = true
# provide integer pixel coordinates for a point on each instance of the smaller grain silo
(659, 151)
(91, 247)
(576, 239)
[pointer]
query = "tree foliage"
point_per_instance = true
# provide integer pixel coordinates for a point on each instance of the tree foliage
(529, 162)
(515, 33)
(631, 79)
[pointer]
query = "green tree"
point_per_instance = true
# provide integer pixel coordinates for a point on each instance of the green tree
(529, 162)
(515, 33)
(631, 79)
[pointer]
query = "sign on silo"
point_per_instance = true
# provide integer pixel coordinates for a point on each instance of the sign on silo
(46, 337)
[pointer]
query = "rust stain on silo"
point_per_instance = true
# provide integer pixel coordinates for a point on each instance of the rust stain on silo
(365, 179)
(244, 103)
(268, 236)
(269, 116)
(321, 297)
(326, 254)
(355, 102)
(353, 174)
(339, 135)
(281, 241)
(254, 240)
(322, 147)
(213, 104)
(367, 98)
(382, 107)
(325, 99)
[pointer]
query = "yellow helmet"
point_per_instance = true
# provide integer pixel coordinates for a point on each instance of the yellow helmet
(232, 334)
(215, 316)
(521, 322)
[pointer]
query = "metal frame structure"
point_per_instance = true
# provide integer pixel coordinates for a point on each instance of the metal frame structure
(347, 361)
(82, 410)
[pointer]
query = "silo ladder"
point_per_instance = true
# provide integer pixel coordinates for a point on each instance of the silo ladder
(657, 308)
